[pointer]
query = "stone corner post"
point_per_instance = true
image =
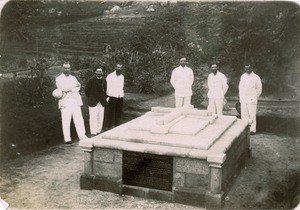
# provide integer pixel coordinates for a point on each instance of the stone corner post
(215, 163)
(87, 146)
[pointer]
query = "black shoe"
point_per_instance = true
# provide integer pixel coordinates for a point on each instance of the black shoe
(252, 133)
(69, 142)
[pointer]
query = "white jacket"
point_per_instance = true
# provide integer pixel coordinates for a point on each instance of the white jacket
(250, 88)
(70, 85)
(182, 79)
(217, 85)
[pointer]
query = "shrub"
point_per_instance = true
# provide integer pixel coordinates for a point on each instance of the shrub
(198, 93)
(29, 91)
(83, 76)
(29, 115)
(163, 89)
(144, 81)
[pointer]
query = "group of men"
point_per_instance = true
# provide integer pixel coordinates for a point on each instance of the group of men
(106, 96)
(103, 96)
(250, 88)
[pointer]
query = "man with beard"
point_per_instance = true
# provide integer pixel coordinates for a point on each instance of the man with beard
(115, 92)
(70, 104)
(182, 79)
(95, 91)
(217, 87)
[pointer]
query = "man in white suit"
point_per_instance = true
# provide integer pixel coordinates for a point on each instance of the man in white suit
(70, 104)
(250, 88)
(217, 88)
(182, 79)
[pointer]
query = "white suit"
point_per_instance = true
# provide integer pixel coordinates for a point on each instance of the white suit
(250, 88)
(70, 106)
(217, 88)
(182, 79)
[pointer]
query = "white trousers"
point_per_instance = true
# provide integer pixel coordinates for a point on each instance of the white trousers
(248, 111)
(96, 118)
(67, 114)
(182, 101)
(215, 106)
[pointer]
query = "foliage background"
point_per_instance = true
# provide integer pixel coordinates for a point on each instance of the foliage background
(38, 36)
(230, 34)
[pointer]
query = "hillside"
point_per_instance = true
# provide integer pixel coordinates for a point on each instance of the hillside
(86, 30)
(148, 38)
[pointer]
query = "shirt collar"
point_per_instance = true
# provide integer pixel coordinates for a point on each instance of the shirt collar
(65, 75)
(182, 67)
(216, 73)
(115, 73)
(250, 75)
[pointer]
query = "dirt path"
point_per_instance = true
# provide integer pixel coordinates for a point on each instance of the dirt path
(50, 179)
(284, 108)
(269, 177)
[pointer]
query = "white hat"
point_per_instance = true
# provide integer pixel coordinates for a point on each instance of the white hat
(58, 94)
(183, 59)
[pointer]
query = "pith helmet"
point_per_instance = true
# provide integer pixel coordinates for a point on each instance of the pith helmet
(58, 94)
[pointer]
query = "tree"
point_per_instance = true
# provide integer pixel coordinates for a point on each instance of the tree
(258, 33)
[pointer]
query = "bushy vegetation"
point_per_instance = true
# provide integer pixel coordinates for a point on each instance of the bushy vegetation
(29, 91)
(230, 34)
(30, 119)
(263, 34)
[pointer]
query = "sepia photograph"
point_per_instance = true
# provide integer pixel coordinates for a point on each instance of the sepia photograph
(143, 104)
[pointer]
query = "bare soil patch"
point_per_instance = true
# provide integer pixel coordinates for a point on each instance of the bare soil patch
(50, 178)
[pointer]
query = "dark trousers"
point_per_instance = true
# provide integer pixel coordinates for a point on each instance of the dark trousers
(106, 117)
(115, 106)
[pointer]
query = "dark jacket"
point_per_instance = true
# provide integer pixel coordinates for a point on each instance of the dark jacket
(95, 91)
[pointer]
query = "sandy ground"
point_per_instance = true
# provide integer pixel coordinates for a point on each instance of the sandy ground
(49, 179)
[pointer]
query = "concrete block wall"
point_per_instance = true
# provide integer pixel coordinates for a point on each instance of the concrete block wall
(107, 170)
(191, 177)
(236, 157)
(191, 173)
(108, 163)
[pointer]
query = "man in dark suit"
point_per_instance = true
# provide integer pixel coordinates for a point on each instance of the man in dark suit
(95, 91)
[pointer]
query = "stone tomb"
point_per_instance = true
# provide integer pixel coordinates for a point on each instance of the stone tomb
(181, 155)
